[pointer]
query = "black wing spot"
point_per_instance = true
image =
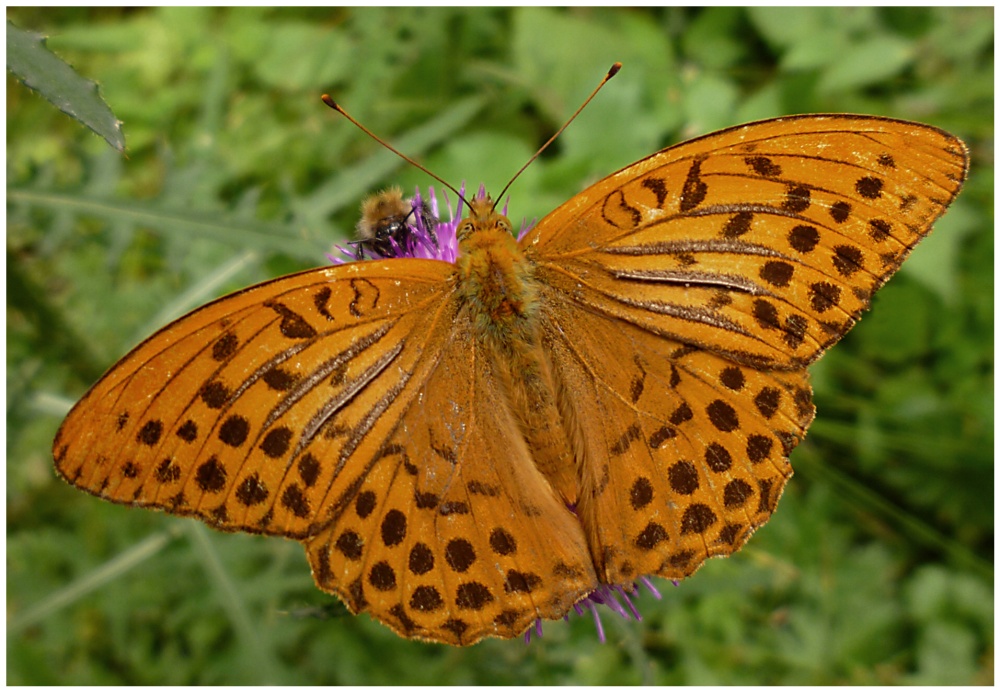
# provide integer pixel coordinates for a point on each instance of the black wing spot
(658, 187)
(293, 325)
(695, 190)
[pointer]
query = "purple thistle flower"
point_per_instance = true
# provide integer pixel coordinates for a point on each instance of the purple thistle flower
(426, 234)
(608, 596)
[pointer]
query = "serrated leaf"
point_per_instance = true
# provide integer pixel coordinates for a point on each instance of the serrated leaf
(40, 69)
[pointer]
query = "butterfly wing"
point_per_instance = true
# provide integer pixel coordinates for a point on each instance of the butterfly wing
(691, 453)
(453, 532)
(683, 297)
(217, 414)
(340, 407)
(778, 232)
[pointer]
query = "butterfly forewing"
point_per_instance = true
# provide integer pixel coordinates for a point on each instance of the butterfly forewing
(230, 413)
(763, 242)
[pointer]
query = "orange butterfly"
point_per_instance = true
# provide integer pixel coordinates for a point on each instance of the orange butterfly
(464, 448)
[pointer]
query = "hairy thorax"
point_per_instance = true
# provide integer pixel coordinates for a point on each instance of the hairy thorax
(497, 286)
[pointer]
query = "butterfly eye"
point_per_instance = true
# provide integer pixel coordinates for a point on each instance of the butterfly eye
(504, 224)
(464, 229)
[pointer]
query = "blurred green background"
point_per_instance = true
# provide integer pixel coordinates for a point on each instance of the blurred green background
(877, 567)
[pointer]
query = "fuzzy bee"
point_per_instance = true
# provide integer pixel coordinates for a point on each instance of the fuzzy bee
(387, 222)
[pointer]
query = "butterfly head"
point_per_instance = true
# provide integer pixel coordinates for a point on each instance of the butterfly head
(483, 216)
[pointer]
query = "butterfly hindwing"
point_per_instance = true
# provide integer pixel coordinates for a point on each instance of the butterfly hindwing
(692, 454)
(453, 534)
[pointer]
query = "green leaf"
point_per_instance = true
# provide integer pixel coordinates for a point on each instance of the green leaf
(869, 62)
(784, 27)
(40, 69)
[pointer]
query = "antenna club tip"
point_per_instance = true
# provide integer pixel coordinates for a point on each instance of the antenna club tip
(614, 70)
(328, 100)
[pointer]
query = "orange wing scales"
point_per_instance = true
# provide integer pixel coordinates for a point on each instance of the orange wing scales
(463, 449)
(454, 534)
(711, 274)
(815, 235)
(226, 414)
(694, 451)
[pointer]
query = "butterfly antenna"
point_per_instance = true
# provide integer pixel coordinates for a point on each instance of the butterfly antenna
(611, 73)
(328, 100)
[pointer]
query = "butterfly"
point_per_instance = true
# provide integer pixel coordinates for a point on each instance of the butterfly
(385, 223)
(465, 448)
